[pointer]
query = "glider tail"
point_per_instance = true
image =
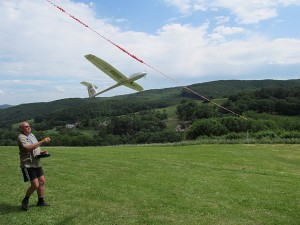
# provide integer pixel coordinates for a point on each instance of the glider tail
(90, 88)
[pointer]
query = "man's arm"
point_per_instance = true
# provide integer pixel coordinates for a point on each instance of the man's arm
(31, 147)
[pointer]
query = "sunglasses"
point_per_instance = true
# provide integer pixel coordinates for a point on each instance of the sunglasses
(25, 126)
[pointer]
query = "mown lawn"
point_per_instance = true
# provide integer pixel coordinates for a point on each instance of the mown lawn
(199, 184)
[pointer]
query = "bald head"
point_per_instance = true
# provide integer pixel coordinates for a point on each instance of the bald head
(25, 128)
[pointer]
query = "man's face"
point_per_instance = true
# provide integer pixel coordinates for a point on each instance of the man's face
(25, 127)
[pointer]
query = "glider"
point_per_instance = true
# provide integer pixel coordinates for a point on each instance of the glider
(120, 78)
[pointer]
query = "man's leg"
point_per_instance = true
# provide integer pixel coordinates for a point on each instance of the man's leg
(41, 191)
(34, 186)
(41, 187)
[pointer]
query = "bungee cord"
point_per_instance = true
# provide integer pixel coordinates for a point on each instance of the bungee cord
(141, 61)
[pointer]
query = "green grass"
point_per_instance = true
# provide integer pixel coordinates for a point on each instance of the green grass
(200, 184)
(171, 123)
(88, 132)
(171, 110)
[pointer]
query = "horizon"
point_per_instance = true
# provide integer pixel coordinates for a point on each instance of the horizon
(1, 105)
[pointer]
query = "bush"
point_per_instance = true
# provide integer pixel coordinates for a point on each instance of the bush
(265, 134)
(235, 136)
(290, 135)
(206, 127)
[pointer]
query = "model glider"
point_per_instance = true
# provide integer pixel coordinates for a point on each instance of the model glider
(120, 78)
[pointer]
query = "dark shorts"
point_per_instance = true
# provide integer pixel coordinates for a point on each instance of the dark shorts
(32, 173)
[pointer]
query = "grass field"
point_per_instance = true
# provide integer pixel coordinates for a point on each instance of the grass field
(199, 184)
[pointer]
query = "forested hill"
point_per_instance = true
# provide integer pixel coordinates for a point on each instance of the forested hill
(149, 99)
(224, 88)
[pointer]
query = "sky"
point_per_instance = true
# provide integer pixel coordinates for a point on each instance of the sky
(181, 42)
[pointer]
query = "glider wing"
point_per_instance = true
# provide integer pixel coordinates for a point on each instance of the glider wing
(134, 86)
(106, 68)
(131, 84)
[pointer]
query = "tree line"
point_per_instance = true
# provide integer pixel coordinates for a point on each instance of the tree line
(278, 101)
(208, 120)
(146, 126)
(139, 122)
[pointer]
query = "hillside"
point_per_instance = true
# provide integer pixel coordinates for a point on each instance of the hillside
(224, 88)
(156, 98)
(268, 109)
(5, 106)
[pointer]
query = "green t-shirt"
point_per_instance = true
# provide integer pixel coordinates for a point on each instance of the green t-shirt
(28, 159)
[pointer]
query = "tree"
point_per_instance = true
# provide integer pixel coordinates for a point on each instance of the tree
(206, 127)
(234, 124)
(186, 110)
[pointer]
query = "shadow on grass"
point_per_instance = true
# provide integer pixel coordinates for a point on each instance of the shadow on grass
(7, 208)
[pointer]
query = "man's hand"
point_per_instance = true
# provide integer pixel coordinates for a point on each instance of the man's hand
(46, 139)
(43, 154)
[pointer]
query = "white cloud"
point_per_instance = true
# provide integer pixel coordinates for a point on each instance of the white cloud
(245, 12)
(222, 20)
(183, 6)
(284, 51)
(60, 89)
(220, 32)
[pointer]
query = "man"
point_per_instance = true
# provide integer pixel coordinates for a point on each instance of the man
(30, 154)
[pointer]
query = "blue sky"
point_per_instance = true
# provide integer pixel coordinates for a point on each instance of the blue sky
(189, 41)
